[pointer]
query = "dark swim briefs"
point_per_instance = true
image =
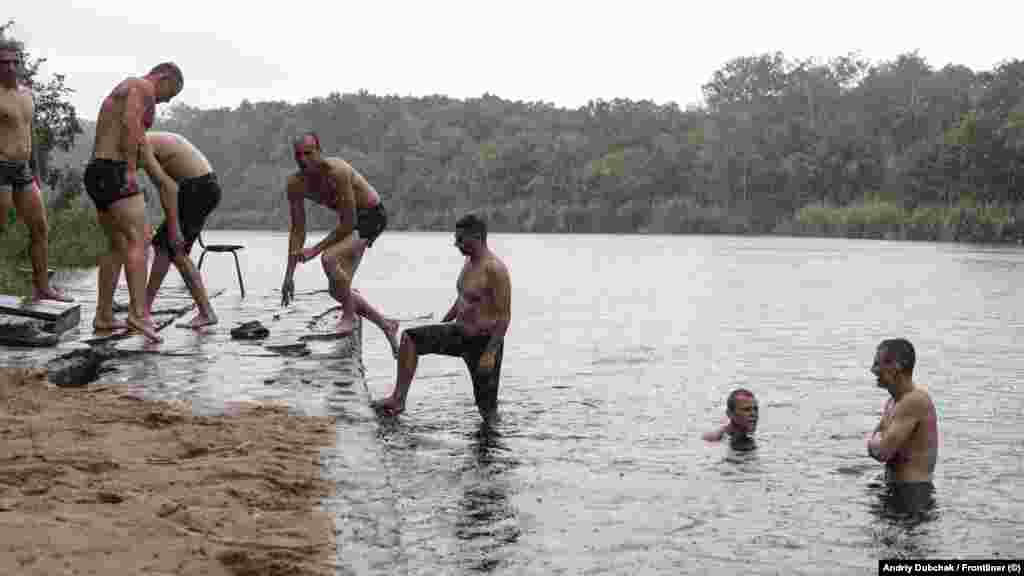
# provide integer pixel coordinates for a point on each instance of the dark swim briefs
(197, 197)
(17, 175)
(911, 498)
(450, 340)
(106, 182)
(371, 222)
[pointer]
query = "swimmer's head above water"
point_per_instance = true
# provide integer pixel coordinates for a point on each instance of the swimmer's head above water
(741, 413)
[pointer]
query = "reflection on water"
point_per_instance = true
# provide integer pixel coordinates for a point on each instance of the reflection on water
(486, 522)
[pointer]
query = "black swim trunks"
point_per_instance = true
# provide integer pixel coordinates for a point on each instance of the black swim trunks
(106, 182)
(450, 340)
(17, 175)
(371, 222)
(197, 197)
(903, 499)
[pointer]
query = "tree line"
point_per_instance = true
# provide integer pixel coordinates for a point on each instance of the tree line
(780, 145)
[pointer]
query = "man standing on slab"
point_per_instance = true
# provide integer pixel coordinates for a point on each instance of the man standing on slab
(110, 180)
(17, 108)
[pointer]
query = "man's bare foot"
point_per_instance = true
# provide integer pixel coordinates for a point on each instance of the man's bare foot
(199, 321)
(388, 406)
(145, 327)
(51, 294)
(346, 324)
(108, 326)
(391, 331)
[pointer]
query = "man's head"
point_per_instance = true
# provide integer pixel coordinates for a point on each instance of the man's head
(307, 151)
(741, 407)
(10, 61)
(894, 362)
(168, 79)
(470, 234)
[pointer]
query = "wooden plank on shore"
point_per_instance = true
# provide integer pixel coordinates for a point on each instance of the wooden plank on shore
(62, 315)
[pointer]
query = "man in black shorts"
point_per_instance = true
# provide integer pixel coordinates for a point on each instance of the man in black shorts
(110, 180)
(474, 327)
(17, 108)
(177, 164)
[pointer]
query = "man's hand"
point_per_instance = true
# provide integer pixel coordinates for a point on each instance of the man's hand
(308, 254)
(487, 361)
(175, 241)
(131, 184)
(287, 291)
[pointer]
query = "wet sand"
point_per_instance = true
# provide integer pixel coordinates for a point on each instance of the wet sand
(95, 480)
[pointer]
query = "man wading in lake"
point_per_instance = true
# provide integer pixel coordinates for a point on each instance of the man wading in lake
(334, 184)
(481, 313)
(907, 436)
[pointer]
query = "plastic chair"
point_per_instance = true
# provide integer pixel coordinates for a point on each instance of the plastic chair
(223, 248)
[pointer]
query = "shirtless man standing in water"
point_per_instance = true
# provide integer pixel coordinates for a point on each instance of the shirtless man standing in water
(334, 184)
(907, 436)
(124, 117)
(481, 313)
(180, 168)
(16, 112)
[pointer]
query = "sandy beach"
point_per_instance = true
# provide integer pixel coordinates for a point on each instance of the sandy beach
(96, 480)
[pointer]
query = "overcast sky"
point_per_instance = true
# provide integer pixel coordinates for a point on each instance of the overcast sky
(558, 51)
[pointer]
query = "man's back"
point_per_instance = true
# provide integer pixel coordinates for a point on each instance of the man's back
(177, 156)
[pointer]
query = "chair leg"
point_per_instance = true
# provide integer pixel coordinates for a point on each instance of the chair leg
(238, 269)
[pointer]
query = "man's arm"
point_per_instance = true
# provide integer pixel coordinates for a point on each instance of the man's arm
(346, 203)
(501, 289)
(888, 441)
(132, 131)
(297, 227)
(168, 188)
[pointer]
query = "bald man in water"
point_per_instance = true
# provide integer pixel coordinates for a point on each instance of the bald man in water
(110, 180)
(17, 108)
(187, 177)
(335, 185)
(907, 436)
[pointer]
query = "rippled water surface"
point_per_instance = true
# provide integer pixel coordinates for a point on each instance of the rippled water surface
(621, 352)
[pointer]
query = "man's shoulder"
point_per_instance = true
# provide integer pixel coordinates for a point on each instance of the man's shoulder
(338, 166)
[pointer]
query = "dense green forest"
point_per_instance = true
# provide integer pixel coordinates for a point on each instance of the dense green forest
(893, 149)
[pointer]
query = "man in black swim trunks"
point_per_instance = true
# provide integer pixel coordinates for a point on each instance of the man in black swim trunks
(110, 180)
(474, 327)
(182, 170)
(335, 185)
(907, 436)
(16, 147)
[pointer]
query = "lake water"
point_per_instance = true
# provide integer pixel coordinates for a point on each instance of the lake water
(621, 352)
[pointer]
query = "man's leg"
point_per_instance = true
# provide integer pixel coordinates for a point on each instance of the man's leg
(389, 326)
(485, 384)
(161, 264)
(129, 217)
(6, 204)
(106, 284)
(340, 263)
(30, 208)
(194, 282)
(408, 358)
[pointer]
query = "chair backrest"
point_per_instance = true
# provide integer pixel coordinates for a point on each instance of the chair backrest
(199, 238)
